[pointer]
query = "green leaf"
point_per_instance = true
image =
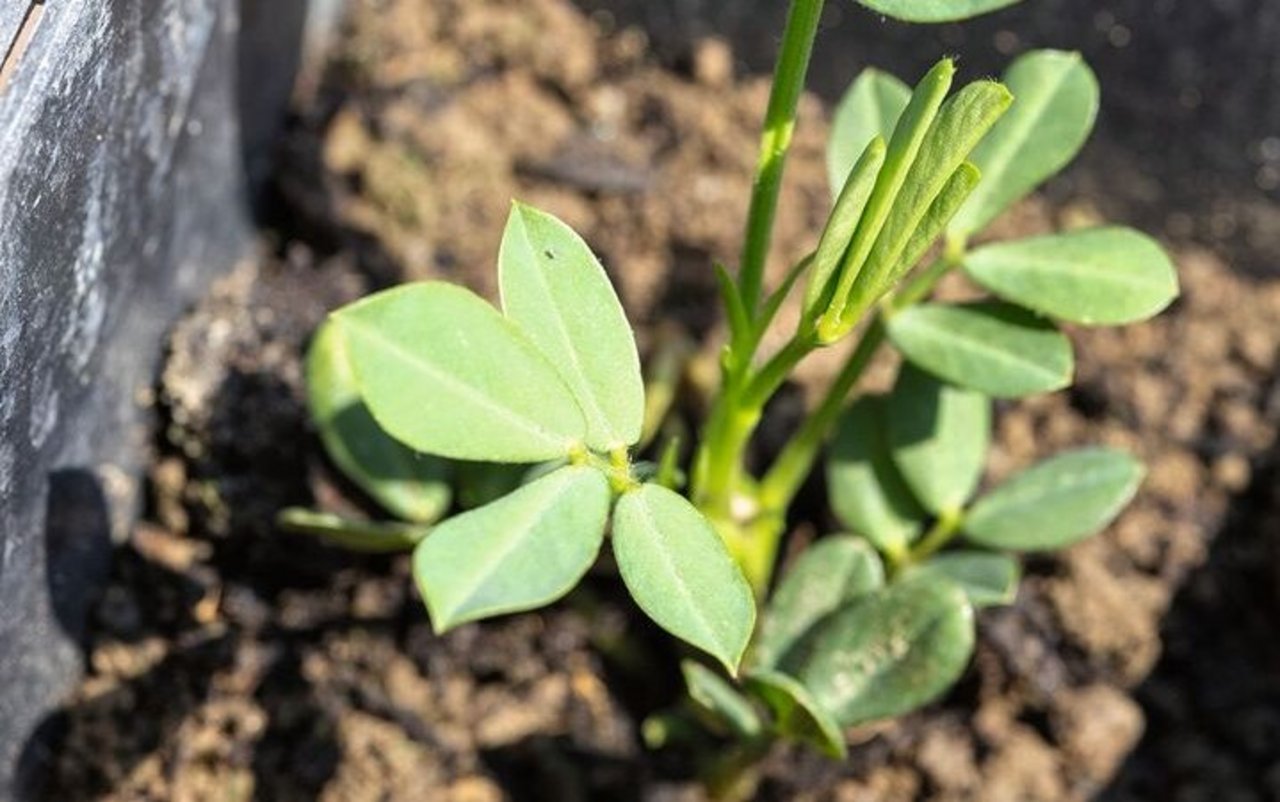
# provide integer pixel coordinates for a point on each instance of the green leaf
(1057, 103)
(519, 553)
(908, 136)
(374, 537)
(935, 10)
(887, 653)
(554, 288)
(1057, 502)
(870, 108)
(988, 579)
(840, 228)
(444, 373)
(796, 714)
(828, 574)
(411, 486)
(934, 223)
(681, 575)
(867, 493)
(1099, 276)
(938, 435)
(720, 700)
(960, 124)
(994, 348)
(479, 483)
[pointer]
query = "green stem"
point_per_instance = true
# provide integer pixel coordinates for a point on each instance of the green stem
(939, 535)
(779, 125)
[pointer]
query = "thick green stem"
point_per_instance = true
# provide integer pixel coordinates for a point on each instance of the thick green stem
(779, 125)
(939, 535)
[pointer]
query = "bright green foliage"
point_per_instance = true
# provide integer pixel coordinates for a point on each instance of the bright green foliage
(827, 575)
(935, 10)
(1057, 502)
(996, 349)
(365, 536)
(411, 486)
(938, 436)
(867, 493)
(868, 110)
(721, 701)
(1099, 276)
(987, 578)
(841, 226)
(1057, 103)
(889, 652)
(558, 294)
(444, 373)
(796, 714)
(680, 574)
(519, 553)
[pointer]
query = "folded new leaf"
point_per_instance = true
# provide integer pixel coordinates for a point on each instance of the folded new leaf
(997, 349)
(721, 701)
(888, 652)
(870, 108)
(795, 712)
(519, 553)
(1057, 502)
(867, 493)
(679, 572)
(411, 486)
(443, 372)
(827, 575)
(938, 436)
(1100, 276)
(555, 290)
(1057, 103)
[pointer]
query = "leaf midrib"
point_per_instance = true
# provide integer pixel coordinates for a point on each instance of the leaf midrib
(929, 328)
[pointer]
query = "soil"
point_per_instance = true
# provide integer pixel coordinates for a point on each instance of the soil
(230, 661)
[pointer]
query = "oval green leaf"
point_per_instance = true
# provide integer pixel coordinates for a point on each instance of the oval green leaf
(1056, 503)
(720, 700)
(555, 290)
(870, 108)
(938, 436)
(935, 10)
(997, 349)
(887, 653)
(796, 714)
(409, 485)
(1054, 111)
(372, 537)
(827, 575)
(867, 493)
(988, 579)
(443, 372)
(519, 553)
(1100, 276)
(679, 572)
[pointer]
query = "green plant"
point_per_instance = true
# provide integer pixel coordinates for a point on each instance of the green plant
(529, 419)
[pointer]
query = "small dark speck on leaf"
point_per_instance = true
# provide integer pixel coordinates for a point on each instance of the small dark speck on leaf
(549, 254)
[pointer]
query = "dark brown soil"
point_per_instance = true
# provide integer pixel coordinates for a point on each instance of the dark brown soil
(232, 662)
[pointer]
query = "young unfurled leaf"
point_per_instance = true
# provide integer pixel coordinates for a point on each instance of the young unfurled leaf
(960, 124)
(519, 553)
(840, 228)
(411, 486)
(994, 348)
(796, 714)
(866, 490)
(1057, 103)
(935, 10)
(444, 373)
(554, 288)
(888, 652)
(1056, 503)
(987, 578)
(1099, 276)
(828, 574)
(938, 435)
(869, 109)
(374, 537)
(679, 572)
(720, 700)
(908, 136)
